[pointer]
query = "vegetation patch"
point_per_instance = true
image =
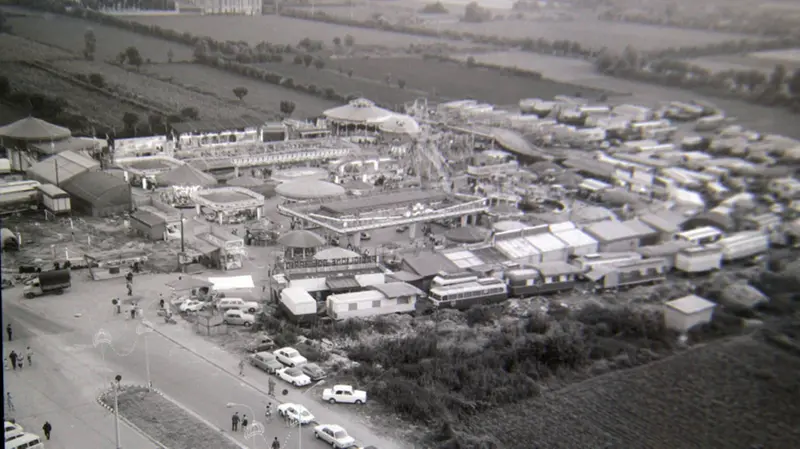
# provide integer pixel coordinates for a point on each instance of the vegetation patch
(165, 421)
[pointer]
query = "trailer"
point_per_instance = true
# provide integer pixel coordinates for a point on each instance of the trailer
(298, 305)
(643, 271)
(18, 196)
(55, 281)
(54, 199)
(543, 278)
(701, 236)
(743, 245)
(700, 259)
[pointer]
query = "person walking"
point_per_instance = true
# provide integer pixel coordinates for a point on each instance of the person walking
(129, 286)
(271, 384)
(241, 367)
(9, 332)
(13, 356)
(9, 401)
(276, 444)
(29, 356)
(244, 424)
(47, 428)
(235, 422)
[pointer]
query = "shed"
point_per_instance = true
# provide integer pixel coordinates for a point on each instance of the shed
(98, 194)
(647, 235)
(551, 248)
(687, 312)
(666, 223)
(613, 236)
(667, 251)
(150, 225)
(578, 242)
(54, 199)
(61, 167)
(428, 265)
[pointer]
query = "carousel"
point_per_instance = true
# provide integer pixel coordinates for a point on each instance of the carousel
(300, 244)
(229, 205)
(360, 117)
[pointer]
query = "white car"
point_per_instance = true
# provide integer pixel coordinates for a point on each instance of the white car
(344, 394)
(290, 357)
(193, 305)
(296, 412)
(334, 435)
(238, 317)
(294, 376)
(238, 304)
(12, 430)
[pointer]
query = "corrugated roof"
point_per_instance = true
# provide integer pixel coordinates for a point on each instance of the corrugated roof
(556, 268)
(148, 218)
(342, 283)
(430, 264)
(640, 228)
(52, 191)
(666, 221)
(186, 175)
(610, 231)
(69, 164)
(397, 289)
(546, 242)
(98, 188)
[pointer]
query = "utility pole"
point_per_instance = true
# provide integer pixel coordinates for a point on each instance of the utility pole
(115, 385)
(55, 161)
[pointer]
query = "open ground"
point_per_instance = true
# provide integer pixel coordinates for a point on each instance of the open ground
(282, 30)
(744, 390)
(266, 96)
(68, 33)
(764, 61)
(15, 48)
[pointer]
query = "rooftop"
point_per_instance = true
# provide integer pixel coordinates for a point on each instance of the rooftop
(346, 207)
(611, 231)
(690, 304)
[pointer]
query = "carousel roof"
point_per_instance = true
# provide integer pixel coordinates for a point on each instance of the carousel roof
(301, 239)
(186, 175)
(360, 111)
(246, 181)
(34, 129)
(309, 189)
(400, 124)
(509, 225)
(335, 253)
(467, 234)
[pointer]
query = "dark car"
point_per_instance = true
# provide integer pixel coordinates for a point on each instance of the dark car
(260, 344)
(402, 228)
(266, 361)
(313, 371)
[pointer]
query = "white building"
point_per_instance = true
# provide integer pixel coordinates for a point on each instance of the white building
(248, 7)
(685, 313)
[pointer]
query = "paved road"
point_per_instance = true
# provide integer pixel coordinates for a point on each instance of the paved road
(179, 373)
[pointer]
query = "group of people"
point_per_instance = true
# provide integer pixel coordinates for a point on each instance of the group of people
(18, 360)
(238, 422)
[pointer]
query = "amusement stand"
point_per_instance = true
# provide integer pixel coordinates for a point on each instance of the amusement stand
(227, 205)
(222, 249)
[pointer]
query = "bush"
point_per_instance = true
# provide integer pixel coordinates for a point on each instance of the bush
(480, 315)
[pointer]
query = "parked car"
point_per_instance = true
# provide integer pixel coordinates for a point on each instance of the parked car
(238, 304)
(296, 412)
(365, 236)
(294, 376)
(334, 435)
(313, 371)
(344, 394)
(401, 229)
(260, 344)
(193, 305)
(238, 317)
(12, 430)
(266, 361)
(290, 357)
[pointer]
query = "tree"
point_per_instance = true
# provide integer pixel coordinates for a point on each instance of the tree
(287, 107)
(5, 86)
(319, 64)
(349, 40)
(434, 8)
(190, 113)
(298, 59)
(170, 55)
(471, 61)
(130, 120)
(337, 41)
(240, 92)
(401, 84)
(155, 122)
(794, 84)
(97, 80)
(473, 13)
(89, 44)
(134, 57)
(350, 73)
(307, 59)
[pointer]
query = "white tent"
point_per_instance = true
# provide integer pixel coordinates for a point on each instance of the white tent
(232, 283)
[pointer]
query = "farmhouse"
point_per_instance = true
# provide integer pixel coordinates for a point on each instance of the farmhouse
(684, 313)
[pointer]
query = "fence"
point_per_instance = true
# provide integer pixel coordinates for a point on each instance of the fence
(210, 326)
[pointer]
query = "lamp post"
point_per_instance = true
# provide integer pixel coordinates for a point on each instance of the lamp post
(147, 358)
(183, 246)
(115, 386)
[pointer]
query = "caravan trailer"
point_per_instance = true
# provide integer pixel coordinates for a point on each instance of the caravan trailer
(542, 278)
(699, 259)
(743, 245)
(464, 295)
(701, 236)
(643, 271)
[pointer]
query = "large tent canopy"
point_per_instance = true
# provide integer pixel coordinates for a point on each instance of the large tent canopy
(335, 253)
(400, 124)
(359, 111)
(309, 189)
(186, 175)
(98, 188)
(62, 167)
(301, 239)
(33, 129)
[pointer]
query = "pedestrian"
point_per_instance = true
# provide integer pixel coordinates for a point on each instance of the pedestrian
(161, 303)
(235, 422)
(129, 277)
(9, 401)
(276, 444)
(130, 288)
(244, 423)
(8, 331)
(13, 356)
(271, 384)
(133, 311)
(29, 355)
(241, 367)
(47, 428)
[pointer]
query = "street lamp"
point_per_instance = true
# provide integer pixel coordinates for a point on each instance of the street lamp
(183, 245)
(182, 260)
(115, 386)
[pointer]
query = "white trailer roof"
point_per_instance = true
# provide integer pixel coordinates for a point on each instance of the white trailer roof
(690, 304)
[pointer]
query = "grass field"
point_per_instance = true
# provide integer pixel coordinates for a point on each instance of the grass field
(165, 95)
(454, 81)
(281, 30)
(166, 422)
(725, 395)
(261, 94)
(553, 67)
(68, 33)
(15, 48)
(764, 61)
(94, 106)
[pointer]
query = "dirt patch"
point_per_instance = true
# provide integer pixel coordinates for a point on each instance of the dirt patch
(166, 422)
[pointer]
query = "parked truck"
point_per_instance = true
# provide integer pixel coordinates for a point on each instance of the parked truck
(54, 281)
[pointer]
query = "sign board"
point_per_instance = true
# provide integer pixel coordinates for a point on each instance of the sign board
(313, 263)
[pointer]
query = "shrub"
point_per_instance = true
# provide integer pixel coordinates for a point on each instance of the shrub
(479, 315)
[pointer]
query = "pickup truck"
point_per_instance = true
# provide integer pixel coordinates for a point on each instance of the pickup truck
(54, 281)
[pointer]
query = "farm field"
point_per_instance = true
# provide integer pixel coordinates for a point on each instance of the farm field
(454, 81)
(265, 96)
(15, 48)
(724, 395)
(282, 30)
(552, 67)
(375, 90)
(764, 61)
(67, 33)
(595, 34)
(152, 91)
(94, 106)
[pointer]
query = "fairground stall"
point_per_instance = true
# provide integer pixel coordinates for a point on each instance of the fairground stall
(229, 205)
(156, 220)
(198, 134)
(135, 147)
(221, 249)
(142, 171)
(116, 263)
(177, 185)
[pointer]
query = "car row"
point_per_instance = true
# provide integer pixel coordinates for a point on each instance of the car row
(17, 438)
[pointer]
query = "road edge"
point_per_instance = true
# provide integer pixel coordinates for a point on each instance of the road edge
(126, 421)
